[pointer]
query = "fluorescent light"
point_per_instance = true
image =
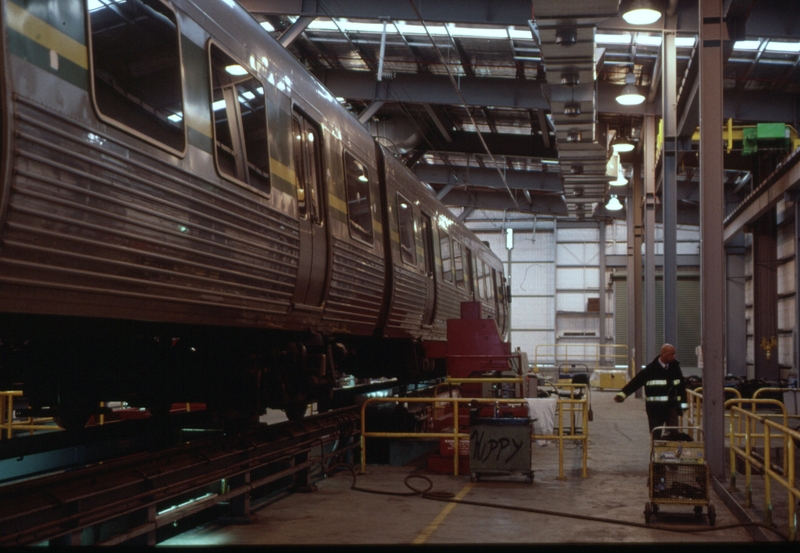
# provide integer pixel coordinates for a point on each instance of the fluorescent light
(176, 117)
(685, 41)
(746, 44)
(218, 105)
(267, 26)
(248, 95)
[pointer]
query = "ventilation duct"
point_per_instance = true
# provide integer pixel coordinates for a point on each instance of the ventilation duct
(564, 30)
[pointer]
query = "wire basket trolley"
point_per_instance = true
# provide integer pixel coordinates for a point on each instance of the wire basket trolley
(678, 473)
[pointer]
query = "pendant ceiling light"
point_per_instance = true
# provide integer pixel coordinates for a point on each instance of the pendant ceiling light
(630, 95)
(622, 144)
(612, 166)
(620, 180)
(613, 204)
(641, 12)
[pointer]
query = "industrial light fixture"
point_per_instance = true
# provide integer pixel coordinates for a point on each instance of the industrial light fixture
(622, 144)
(570, 78)
(576, 169)
(566, 36)
(641, 12)
(613, 204)
(572, 109)
(612, 166)
(620, 180)
(630, 95)
(574, 136)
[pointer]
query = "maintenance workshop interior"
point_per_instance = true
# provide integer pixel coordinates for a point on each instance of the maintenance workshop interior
(333, 272)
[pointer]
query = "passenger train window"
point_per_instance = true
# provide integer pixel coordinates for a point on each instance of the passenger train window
(405, 222)
(240, 121)
(477, 283)
(458, 264)
(135, 64)
(307, 165)
(359, 205)
(447, 261)
(488, 279)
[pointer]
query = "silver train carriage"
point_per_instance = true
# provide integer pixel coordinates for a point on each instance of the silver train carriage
(187, 214)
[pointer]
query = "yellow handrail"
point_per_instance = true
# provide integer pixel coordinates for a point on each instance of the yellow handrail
(595, 356)
(7, 424)
(785, 478)
(456, 435)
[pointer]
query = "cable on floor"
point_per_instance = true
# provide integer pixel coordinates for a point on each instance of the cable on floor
(449, 497)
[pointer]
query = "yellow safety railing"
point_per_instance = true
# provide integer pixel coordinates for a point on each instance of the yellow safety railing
(563, 405)
(743, 445)
(7, 423)
(594, 356)
(695, 411)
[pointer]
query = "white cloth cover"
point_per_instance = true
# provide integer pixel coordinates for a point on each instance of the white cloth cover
(544, 411)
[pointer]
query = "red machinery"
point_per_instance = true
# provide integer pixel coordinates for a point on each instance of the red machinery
(474, 349)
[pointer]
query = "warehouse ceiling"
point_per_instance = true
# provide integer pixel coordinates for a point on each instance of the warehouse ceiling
(507, 108)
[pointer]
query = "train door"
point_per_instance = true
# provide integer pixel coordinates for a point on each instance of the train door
(430, 271)
(313, 266)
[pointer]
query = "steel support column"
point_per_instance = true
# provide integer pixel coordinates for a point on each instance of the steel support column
(634, 270)
(712, 263)
(650, 239)
(601, 224)
(796, 332)
(669, 202)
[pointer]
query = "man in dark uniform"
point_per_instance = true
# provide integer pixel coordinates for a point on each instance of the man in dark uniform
(664, 389)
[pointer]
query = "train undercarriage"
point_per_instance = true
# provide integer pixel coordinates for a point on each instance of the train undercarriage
(67, 366)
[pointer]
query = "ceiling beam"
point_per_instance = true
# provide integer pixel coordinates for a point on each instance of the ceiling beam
(436, 89)
(474, 176)
(487, 12)
(549, 204)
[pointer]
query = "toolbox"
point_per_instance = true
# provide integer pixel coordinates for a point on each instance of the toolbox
(500, 446)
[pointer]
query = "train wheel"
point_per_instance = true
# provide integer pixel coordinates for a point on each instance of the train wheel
(74, 408)
(159, 407)
(71, 417)
(647, 513)
(712, 514)
(296, 411)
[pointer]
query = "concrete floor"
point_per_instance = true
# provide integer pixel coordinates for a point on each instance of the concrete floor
(616, 489)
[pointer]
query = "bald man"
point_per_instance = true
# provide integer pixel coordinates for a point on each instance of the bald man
(664, 389)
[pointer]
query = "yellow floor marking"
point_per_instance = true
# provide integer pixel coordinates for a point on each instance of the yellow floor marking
(438, 520)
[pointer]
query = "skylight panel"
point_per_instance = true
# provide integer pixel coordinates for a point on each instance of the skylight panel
(648, 40)
(787, 47)
(746, 44)
(623, 38)
(684, 41)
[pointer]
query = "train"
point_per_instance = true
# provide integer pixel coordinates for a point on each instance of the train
(187, 214)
